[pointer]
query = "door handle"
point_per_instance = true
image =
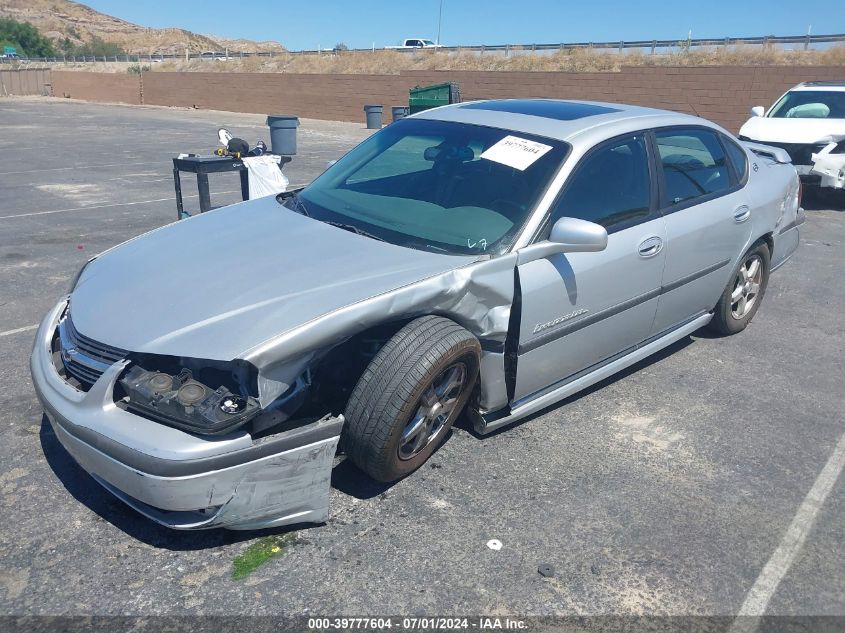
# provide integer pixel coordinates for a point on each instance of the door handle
(650, 247)
(741, 214)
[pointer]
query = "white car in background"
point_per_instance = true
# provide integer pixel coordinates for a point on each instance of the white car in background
(809, 123)
(218, 56)
(415, 42)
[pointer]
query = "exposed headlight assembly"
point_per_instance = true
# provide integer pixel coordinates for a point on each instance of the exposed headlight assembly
(185, 403)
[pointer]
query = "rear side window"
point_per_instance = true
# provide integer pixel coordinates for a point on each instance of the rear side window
(694, 164)
(738, 158)
(610, 187)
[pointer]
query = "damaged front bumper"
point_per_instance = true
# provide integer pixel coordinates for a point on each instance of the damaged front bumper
(181, 480)
(829, 165)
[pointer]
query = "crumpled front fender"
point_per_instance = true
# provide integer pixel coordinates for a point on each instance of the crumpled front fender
(478, 296)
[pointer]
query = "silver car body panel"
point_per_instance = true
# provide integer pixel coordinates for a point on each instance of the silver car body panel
(254, 280)
(257, 282)
(613, 297)
(565, 388)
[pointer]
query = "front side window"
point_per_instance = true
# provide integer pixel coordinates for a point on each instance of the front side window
(693, 164)
(610, 187)
(437, 185)
(810, 104)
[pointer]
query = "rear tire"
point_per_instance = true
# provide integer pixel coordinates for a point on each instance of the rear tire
(409, 396)
(744, 292)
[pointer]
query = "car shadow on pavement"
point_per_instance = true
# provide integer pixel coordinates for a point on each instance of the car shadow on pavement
(88, 492)
(646, 362)
(350, 480)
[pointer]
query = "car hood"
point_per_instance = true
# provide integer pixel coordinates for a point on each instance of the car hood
(218, 284)
(811, 131)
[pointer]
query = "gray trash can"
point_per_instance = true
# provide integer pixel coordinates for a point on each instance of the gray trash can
(399, 112)
(373, 113)
(283, 134)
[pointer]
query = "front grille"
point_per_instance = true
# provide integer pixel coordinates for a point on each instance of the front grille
(800, 153)
(84, 358)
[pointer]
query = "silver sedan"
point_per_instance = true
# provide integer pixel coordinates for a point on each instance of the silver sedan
(490, 257)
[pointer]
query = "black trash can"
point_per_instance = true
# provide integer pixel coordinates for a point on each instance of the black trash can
(399, 112)
(283, 134)
(373, 113)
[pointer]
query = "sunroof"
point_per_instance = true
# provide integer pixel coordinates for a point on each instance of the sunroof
(560, 110)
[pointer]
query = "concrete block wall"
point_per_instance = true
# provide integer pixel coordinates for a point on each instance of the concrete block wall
(723, 94)
(24, 81)
(99, 87)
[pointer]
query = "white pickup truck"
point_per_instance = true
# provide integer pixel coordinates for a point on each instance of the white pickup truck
(415, 42)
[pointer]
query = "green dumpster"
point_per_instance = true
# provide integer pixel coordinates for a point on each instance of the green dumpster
(426, 97)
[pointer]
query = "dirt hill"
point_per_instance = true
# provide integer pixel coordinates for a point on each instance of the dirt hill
(60, 19)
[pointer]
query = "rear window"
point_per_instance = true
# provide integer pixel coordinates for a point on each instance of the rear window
(738, 158)
(694, 164)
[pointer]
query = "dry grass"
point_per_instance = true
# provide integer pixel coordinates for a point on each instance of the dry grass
(577, 60)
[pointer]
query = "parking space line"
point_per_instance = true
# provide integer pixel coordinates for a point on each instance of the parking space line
(32, 171)
(778, 565)
(108, 206)
(25, 328)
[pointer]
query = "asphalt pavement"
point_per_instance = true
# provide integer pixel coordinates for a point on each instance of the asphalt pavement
(703, 479)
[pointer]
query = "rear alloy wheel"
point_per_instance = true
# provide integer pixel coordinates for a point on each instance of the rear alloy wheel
(746, 287)
(743, 294)
(409, 396)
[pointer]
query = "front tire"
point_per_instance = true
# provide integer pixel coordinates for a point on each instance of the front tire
(744, 293)
(409, 396)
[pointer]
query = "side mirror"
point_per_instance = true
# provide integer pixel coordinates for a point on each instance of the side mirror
(568, 235)
(758, 111)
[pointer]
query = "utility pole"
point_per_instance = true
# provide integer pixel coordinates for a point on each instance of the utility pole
(439, 21)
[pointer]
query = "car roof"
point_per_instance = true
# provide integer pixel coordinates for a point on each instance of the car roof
(560, 119)
(832, 86)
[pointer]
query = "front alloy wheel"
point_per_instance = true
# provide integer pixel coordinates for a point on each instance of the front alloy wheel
(435, 407)
(409, 396)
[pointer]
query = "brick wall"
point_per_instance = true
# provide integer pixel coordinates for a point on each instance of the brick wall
(722, 94)
(102, 87)
(28, 81)
(333, 97)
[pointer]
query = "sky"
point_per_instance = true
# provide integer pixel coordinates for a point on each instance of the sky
(298, 24)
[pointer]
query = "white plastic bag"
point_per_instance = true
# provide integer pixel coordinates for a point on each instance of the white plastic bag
(265, 176)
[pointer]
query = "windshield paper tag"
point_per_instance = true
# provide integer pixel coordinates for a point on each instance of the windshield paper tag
(516, 152)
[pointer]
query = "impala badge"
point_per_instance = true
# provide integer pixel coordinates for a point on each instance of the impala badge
(545, 326)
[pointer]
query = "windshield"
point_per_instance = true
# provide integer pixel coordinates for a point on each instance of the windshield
(810, 104)
(437, 186)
